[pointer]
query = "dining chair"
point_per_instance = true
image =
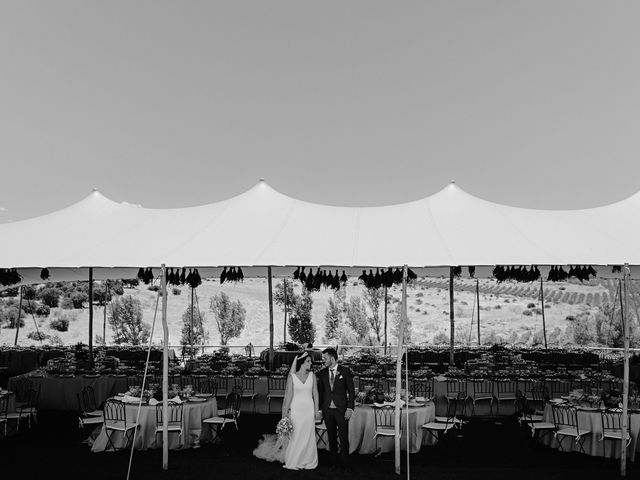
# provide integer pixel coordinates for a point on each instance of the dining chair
(230, 415)
(174, 420)
(89, 402)
(565, 418)
(612, 427)
(438, 429)
(482, 390)
(276, 387)
(115, 420)
(384, 423)
(505, 391)
(248, 389)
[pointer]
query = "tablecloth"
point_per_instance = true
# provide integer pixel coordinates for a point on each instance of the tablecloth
(192, 416)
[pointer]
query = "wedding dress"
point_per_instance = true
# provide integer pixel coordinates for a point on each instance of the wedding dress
(300, 451)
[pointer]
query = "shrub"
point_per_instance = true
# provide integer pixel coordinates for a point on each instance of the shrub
(40, 336)
(28, 292)
(49, 296)
(9, 292)
(60, 324)
(55, 340)
(66, 303)
(570, 318)
(153, 288)
(441, 338)
(527, 313)
(176, 291)
(78, 299)
(531, 305)
(43, 310)
(9, 317)
(537, 310)
(29, 307)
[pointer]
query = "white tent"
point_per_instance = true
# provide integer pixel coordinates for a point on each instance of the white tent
(263, 227)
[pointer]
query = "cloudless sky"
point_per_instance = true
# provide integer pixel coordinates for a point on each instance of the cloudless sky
(176, 103)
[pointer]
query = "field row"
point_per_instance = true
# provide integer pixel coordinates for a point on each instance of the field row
(551, 295)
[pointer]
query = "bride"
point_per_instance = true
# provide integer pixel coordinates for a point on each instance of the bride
(300, 403)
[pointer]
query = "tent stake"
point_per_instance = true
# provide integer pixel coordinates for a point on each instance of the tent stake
(403, 318)
(544, 323)
(270, 283)
(451, 316)
(91, 316)
(15, 343)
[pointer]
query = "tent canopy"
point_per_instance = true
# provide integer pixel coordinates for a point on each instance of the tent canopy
(263, 227)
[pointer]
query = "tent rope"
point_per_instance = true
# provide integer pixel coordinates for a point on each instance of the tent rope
(144, 379)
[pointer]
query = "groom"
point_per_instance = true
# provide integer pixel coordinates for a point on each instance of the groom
(337, 395)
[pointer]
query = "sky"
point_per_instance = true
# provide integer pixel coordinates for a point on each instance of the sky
(171, 104)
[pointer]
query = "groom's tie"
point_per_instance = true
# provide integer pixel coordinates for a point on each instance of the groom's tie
(332, 378)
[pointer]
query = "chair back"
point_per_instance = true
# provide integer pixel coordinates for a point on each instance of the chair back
(223, 385)
(114, 411)
(612, 422)
(134, 381)
(22, 386)
(540, 394)
(233, 403)
(422, 388)
(4, 406)
(565, 416)
(456, 387)
(528, 386)
(32, 400)
(385, 416)
(452, 411)
(246, 383)
(482, 388)
(276, 385)
(506, 388)
(88, 399)
(209, 385)
(174, 413)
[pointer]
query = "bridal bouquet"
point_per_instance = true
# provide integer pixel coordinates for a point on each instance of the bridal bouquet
(284, 427)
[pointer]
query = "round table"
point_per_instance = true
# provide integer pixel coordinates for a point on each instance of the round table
(592, 421)
(362, 427)
(192, 415)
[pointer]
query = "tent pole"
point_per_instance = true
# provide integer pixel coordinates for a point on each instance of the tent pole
(544, 323)
(104, 321)
(191, 353)
(451, 316)
(478, 303)
(403, 317)
(625, 384)
(91, 315)
(406, 397)
(285, 311)
(165, 369)
(15, 343)
(386, 299)
(270, 283)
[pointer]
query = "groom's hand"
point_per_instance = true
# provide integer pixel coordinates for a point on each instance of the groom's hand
(348, 413)
(318, 416)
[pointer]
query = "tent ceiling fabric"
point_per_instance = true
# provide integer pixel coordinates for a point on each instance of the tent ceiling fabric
(264, 227)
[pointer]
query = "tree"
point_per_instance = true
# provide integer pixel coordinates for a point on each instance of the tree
(230, 316)
(584, 331)
(333, 318)
(200, 335)
(125, 319)
(608, 327)
(279, 296)
(373, 297)
(301, 328)
(357, 318)
(395, 329)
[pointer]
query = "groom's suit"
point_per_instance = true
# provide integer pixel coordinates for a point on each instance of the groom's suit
(334, 401)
